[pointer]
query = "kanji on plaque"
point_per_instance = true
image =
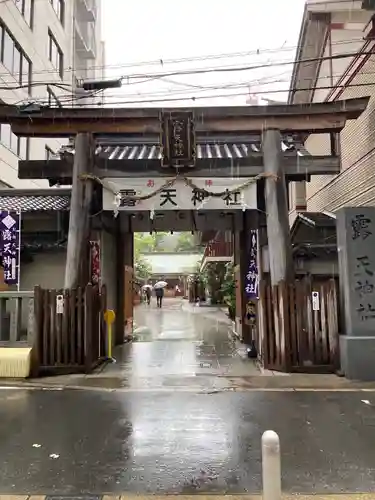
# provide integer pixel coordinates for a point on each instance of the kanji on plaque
(10, 246)
(252, 275)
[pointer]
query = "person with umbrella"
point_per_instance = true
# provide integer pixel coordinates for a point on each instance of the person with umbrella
(159, 292)
(147, 290)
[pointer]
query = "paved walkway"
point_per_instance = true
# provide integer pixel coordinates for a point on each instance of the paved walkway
(180, 345)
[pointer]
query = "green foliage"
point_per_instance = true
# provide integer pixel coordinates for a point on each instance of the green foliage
(146, 242)
(185, 242)
(142, 269)
(215, 273)
(229, 290)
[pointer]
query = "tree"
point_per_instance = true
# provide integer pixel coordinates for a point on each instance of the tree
(146, 242)
(142, 269)
(229, 290)
(215, 273)
(185, 242)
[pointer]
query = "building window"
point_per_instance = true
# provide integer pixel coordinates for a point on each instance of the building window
(59, 8)
(26, 7)
(24, 148)
(20, 146)
(49, 153)
(56, 55)
(53, 100)
(14, 58)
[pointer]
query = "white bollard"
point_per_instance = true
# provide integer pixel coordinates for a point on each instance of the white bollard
(271, 466)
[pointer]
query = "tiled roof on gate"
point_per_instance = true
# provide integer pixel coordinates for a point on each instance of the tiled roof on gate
(33, 202)
(220, 147)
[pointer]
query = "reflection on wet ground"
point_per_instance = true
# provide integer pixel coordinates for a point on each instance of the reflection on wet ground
(175, 347)
(75, 442)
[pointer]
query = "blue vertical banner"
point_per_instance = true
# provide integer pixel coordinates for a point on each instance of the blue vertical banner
(10, 244)
(252, 275)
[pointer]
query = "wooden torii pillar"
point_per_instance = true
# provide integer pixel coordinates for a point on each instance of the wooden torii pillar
(278, 233)
(76, 268)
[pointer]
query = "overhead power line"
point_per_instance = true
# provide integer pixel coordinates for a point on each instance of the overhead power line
(246, 68)
(161, 62)
(215, 70)
(180, 94)
(213, 96)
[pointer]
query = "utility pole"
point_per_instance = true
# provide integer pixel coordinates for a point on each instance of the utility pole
(79, 220)
(279, 245)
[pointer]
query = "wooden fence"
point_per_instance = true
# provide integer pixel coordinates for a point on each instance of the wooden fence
(71, 338)
(296, 337)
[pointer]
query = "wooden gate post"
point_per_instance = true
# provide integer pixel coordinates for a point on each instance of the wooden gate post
(37, 332)
(89, 304)
(80, 204)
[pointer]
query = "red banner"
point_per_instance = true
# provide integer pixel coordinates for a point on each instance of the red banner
(95, 262)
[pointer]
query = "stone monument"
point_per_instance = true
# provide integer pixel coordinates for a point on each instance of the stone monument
(356, 254)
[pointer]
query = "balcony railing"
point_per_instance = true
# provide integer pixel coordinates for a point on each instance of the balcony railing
(87, 10)
(86, 39)
(219, 249)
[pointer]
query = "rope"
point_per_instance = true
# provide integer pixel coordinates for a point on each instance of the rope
(187, 181)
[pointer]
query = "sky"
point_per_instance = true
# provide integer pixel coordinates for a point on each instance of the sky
(149, 41)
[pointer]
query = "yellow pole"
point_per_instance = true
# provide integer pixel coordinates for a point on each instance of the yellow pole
(109, 318)
(109, 333)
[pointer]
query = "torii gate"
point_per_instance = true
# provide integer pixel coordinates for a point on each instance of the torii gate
(205, 145)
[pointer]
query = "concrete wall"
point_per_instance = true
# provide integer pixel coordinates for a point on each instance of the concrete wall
(46, 270)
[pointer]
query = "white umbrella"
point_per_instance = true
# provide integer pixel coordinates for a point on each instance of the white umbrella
(160, 284)
(146, 286)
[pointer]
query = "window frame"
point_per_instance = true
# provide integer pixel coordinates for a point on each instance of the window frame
(48, 152)
(21, 6)
(23, 78)
(13, 143)
(53, 43)
(59, 9)
(53, 100)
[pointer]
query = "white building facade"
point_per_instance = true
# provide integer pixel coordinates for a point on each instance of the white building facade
(51, 42)
(342, 33)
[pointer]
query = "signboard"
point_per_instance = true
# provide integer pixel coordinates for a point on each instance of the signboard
(177, 139)
(252, 275)
(179, 196)
(10, 244)
(315, 301)
(59, 304)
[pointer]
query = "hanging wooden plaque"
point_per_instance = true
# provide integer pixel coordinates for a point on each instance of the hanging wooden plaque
(177, 139)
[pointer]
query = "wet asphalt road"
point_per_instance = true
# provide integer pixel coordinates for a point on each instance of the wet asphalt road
(155, 431)
(68, 442)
